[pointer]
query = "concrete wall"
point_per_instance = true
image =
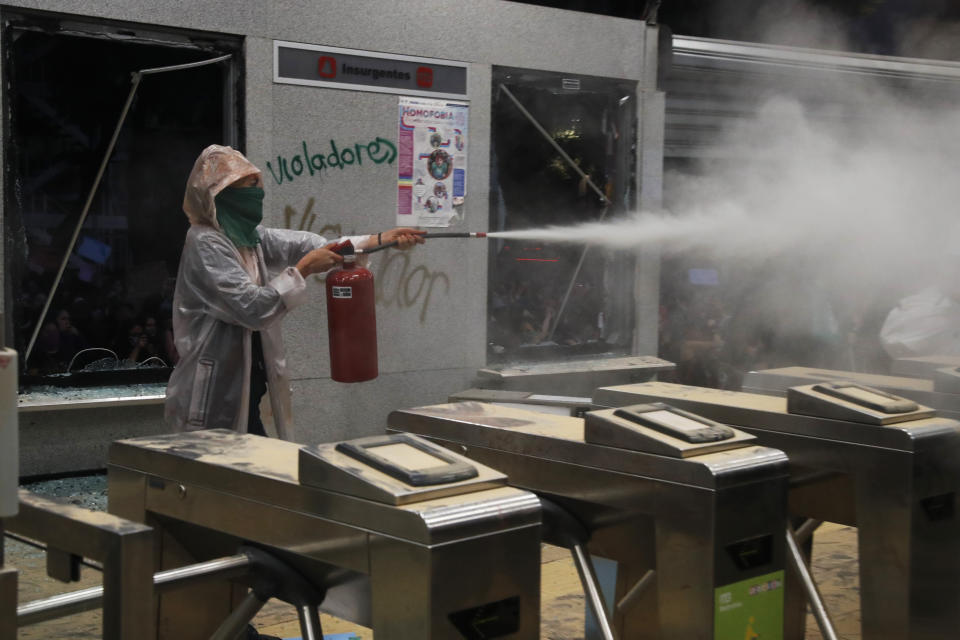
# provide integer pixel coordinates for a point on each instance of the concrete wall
(430, 345)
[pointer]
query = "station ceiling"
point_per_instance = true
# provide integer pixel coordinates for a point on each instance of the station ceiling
(912, 28)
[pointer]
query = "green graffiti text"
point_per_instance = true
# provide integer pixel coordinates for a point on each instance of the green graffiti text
(335, 156)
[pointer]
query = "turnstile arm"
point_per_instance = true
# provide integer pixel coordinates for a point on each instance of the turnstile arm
(562, 527)
(237, 621)
(309, 623)
(805, 530)
(636, 591)
(591, 588)
(796, 559)
(66, 604)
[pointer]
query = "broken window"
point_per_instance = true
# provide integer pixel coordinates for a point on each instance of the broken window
(548, 301)
(68, 82)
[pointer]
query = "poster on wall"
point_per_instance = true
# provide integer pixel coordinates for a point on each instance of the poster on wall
(432, 162)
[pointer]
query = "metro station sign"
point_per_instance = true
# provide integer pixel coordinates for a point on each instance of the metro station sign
(338, 68)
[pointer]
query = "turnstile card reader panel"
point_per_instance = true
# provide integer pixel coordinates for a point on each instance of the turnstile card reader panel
(661, 429)
(393, 469)
(853, 402)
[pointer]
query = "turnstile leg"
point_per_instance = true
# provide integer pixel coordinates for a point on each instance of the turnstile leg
(485, 586)
(632, 598)
(562, 527)
(239, 618)
(591, 588)
(908, 534)
(274, 578)
(799, 565)
(795, 600)
(309, 623)
(8, 602)
(712, 549)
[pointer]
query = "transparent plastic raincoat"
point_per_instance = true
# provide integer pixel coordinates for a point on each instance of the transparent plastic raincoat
(217, 307)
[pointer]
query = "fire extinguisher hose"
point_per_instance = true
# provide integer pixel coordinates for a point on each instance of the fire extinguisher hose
(427, 236)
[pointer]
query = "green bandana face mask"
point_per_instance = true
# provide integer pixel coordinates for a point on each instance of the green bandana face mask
(239, 211)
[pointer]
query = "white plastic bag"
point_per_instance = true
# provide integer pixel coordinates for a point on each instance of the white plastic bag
(924, 324)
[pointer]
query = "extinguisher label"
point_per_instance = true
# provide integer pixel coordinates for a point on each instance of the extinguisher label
(342, 292)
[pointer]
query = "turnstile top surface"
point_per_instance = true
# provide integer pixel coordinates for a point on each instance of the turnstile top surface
(547, 403)
(769, 413)
(778, 380)
(561, 439)
(519, 397)
(947, 381)
(245, 467)
(922, 366)
(650, 364)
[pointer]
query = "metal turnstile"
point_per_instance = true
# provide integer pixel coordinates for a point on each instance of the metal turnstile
(702, 521)
(393, 532)
(865, 458)
(942, 392)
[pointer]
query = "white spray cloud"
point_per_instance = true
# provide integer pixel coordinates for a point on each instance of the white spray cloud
(871, 197)
(838, 195)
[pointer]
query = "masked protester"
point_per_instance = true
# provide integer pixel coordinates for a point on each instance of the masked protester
(237, 280)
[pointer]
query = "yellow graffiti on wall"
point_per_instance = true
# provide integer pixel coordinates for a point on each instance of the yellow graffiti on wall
(397, 281)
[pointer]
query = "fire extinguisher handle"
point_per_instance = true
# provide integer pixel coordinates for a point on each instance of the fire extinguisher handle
(343, 248)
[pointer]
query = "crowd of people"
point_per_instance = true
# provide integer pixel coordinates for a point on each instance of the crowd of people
(713, 334)
(716, 334)
(96, 323)
(528, 314)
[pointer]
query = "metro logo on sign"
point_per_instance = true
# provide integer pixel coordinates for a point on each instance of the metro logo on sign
(424, 77)
(327, 67)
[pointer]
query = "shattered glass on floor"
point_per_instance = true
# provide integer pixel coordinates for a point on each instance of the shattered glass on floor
(49, 394)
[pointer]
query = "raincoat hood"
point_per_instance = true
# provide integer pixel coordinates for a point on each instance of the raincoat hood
(215, 169)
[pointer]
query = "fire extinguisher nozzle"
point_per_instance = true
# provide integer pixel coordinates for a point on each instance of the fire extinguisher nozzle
(427, 236)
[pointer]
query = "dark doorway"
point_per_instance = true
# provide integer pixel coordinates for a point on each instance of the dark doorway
(67, 84)
(550, 301)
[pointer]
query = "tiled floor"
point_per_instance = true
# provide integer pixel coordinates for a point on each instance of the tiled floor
(834, 566)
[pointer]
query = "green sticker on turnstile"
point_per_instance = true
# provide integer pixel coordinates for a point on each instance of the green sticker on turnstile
(750, 609)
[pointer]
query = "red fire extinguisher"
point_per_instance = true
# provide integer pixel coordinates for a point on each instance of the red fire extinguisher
(352, 320)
